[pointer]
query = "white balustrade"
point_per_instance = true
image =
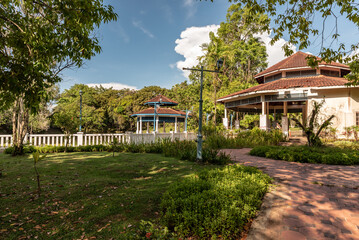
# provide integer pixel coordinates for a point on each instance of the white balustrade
(94, 139)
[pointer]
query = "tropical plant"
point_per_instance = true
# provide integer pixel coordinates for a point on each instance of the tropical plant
(355, 130)
(313, 128)
(36, 156)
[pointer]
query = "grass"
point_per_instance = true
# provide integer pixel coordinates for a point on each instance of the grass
(85, 195)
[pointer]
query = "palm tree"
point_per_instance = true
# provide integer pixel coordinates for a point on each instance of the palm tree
(313, 124)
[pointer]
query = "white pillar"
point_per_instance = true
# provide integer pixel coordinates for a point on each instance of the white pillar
(137, 127)
(148, 127)
(157, 120)
(80, 138)
(176, 125)
(263, 121)
(225, 119)
(140, 125)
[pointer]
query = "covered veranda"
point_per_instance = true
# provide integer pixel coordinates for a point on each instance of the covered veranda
(276, 103)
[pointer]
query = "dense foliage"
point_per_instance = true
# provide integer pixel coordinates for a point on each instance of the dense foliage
(305, 20)
(214, 204)
(249, 138)
(305, 154)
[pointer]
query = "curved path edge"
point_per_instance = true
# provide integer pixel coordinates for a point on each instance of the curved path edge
(307, 201)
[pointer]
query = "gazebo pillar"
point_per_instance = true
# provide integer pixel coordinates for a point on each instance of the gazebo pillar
(175, 124)
(140, 125)
(263, 121)
(148, 127)
(285, 124)
(164, 126)
(157, 120)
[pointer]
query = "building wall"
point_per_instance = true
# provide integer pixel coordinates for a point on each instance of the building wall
(343, 103)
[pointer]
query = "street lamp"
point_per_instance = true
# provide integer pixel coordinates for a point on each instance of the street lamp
(199, 136)
(80, 110)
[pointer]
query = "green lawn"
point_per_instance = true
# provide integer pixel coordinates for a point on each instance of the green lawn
(85, 195)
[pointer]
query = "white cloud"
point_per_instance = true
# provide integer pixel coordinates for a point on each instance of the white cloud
(189, 45)
(139, 25)
(275, 52)
(115, 86)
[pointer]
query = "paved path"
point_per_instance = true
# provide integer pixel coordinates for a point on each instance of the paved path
(309, 201)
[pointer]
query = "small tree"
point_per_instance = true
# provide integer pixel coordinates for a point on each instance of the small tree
(114, 145)
(313, 128)
(36, 156)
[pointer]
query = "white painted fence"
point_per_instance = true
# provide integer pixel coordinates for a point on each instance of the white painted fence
(81, 139)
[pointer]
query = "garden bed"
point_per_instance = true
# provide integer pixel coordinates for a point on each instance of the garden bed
(305, 154)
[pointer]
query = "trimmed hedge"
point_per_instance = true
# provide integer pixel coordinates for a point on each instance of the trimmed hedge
(305, 154)
(215, 203)
(184, 150)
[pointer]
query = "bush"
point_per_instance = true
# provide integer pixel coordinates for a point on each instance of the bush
(305, 154)
(252, 138)
(214, 203)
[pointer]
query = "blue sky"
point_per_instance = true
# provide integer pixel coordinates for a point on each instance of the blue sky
(153, 39)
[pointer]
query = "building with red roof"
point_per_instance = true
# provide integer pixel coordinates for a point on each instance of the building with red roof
(159, 114)
(291, 85)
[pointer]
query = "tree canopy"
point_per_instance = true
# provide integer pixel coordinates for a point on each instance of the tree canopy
(305, 22)
(38, 39)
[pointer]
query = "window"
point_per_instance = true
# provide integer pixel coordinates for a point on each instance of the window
(301, 73)
(330, 73)
(274, 77)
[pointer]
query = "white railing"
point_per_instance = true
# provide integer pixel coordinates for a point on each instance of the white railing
(81, 139)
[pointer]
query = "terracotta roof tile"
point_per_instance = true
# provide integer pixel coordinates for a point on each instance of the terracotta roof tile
(164, 99)
(296, 60)
(160, 111)
(300, 82)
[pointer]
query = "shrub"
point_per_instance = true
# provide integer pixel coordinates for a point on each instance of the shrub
(305, 154)
(214, 203)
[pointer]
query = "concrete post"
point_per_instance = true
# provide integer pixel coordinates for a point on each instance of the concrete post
(164, 127)
(148, 127)
(80, 138)
(157, 120)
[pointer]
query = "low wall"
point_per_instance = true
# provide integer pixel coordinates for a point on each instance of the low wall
(81, 139)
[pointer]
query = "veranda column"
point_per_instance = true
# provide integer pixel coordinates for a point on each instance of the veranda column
(140, 125)
(164, 126)
(148, 127)
(137, 126)
(176, 125)
(285, 125)
(263, 122)
(225, 119)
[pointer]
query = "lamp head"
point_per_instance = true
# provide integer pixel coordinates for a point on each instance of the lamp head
(80, 92)
(219, 63)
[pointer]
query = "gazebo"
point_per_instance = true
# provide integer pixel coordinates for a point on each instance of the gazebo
(158, 114)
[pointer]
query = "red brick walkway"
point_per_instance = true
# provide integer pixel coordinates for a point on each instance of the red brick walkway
(309, 201)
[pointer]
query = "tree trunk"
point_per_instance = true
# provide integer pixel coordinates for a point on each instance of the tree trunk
(20, 120)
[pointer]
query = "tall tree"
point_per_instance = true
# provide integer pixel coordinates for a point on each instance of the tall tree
(305, 20)
(39, 39)
(243, 54)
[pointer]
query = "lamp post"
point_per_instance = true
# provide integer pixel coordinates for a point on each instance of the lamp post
(155, 112)
(80, 110)
(199, 136)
